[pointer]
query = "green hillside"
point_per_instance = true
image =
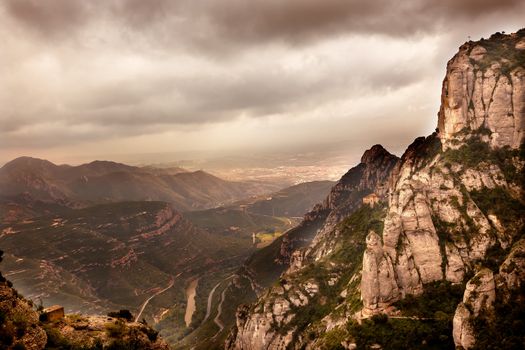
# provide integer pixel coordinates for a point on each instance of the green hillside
(116, 256)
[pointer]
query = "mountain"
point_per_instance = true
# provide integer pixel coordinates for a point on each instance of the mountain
(422, 252)
(103, 182)
(92, 258)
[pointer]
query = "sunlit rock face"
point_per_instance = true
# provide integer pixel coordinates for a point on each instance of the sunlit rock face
(378, 284)
(485, 89)
(480, 294)
(434, 228)
(261, 327)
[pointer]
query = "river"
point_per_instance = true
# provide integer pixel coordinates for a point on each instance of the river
(190, 305)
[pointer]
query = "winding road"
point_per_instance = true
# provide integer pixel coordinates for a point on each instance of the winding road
(210, 297)
(217, 319)
(172, 282)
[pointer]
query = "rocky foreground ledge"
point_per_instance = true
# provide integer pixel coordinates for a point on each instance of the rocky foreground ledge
(23, 327)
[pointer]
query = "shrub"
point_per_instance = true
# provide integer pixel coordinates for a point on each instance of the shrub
(19, 346)
(473, 152)
(55, 339)
(403, 334)
(437, 296)
(115, 329)
(332, 340)
(497, 201)
(151, 333)
(379, 318)
(124, 314)
(505, 327)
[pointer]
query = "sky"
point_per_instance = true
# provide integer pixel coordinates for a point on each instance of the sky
(105, 79)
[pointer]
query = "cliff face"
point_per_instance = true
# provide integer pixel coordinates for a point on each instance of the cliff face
(258, 327)
(369, 176)
(20, 328)
(452, 208)
(485, 88)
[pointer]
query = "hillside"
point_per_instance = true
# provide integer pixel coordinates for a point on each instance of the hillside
(116, 256)
(434, 258)
(292, 201)
(103, 182)
(239, 223)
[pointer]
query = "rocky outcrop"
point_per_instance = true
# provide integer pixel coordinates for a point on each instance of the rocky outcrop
(484, 290)
(78, 331)
(19, 325)
(480, 294)
(22, 327)
(378, 284)
(512, 270)
(485, 89)
(434, 228)
(257, 329)
(369, 176)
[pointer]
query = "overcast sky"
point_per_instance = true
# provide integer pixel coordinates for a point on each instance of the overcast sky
(106, 78)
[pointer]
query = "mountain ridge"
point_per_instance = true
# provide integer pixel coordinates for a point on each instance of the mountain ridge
(105, 181)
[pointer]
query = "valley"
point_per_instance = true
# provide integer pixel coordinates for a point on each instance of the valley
(168, 267)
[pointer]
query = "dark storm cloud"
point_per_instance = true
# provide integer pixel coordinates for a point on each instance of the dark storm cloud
(303, 20)
(50, 17)
(236, 22)
(76, 70)
(202, 99)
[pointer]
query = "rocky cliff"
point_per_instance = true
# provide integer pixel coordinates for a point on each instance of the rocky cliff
(441, 253)
(258, 326)
(21, 328)
(19, 325)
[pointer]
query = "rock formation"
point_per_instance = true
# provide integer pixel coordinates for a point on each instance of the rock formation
(484, 90)
(452, 206)
(256, 328)
(370, 176)
(480, 105)
(378, 284)
(480, 294)
(19, 325)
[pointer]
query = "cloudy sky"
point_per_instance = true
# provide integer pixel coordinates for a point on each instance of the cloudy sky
(108, 78)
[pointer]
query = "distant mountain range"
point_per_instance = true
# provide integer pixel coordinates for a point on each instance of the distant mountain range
(34, 180)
